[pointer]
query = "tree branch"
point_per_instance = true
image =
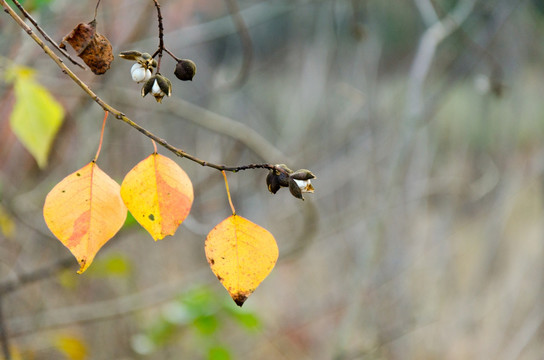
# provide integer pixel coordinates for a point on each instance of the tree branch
(161, 35)
(4, 341)
(430, 40)
(11, 285)
(44, 34)
(118, 114)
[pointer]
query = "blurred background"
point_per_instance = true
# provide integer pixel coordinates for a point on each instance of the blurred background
(423, 121)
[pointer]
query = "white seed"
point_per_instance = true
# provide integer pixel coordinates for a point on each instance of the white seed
(156, 89)
(147, 74)
(305, 185)
(139, 73)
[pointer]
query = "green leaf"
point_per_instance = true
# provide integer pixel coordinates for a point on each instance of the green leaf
(218, 353)
(111, 265)
(130, 221)
(36, 116)
(206, 324)
(161, 332)
(248, 321)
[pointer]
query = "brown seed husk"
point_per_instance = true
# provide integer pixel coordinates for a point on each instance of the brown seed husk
(93, 48)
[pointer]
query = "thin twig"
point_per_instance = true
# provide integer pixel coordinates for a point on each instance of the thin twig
(4, 334)
(172, 54)
(11, 285)
(118, 114)
(161, 35)
(44, 34)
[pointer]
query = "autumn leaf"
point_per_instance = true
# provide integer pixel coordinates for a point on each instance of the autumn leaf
(159, 194)
(36, 116)
(84, 211)
(241, 254)
(73, 348)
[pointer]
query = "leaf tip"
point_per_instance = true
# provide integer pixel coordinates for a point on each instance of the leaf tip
(240, 298)
(83, 265)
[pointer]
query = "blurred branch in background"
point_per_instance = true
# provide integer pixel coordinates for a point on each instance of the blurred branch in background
(245, 38)
(220, 124)
(430, 39)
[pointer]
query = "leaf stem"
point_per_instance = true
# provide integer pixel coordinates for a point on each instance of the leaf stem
(96, 9)
(228, 192)
(154, 146)
(101, 136)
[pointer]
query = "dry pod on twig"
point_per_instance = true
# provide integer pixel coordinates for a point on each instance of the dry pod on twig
(159, 86)
(298, 182)
(93, 48)
(185, 70)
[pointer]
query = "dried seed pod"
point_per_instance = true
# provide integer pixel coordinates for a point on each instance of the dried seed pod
(185, 70)
(303, 174)
(272, 182)
(93, 48)
(295, 189)
(159, 86)
(133, 55)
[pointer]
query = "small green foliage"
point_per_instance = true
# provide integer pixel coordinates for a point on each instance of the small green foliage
(203, 314)
(218, 352)
(111, 265)
(248, 321)
(130, 221)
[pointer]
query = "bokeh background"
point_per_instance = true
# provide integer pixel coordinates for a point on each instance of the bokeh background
(423, 121)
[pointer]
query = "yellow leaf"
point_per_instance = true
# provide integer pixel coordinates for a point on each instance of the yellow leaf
(159, 194)
(72, 347)
(84, 211)
(241, 254)
(36, 116)
(7, 225)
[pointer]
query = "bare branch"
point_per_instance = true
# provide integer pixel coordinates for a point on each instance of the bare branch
(432, 37)
(36, 275)
(427, 12)
(161, 35)
(121, 116)
(44, 34)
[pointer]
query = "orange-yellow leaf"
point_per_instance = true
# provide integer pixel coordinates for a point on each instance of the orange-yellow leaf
(241, 254)
(84, 211)
(159, 195)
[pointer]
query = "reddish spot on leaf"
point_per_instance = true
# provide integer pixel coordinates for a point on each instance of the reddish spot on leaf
(84, 211)
(179, 205)
(159, 194)
(81, 227)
